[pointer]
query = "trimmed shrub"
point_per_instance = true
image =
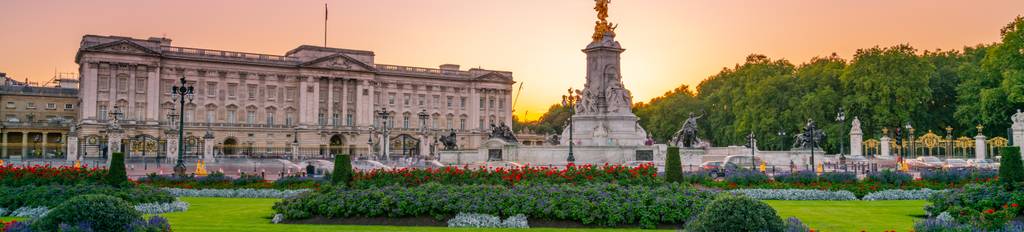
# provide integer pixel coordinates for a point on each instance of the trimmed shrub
(737, 213)
(117, 175)
(901, 194)
(53, 195)
(888, 176)
(838, 177)
(796, 194)
(1011, 170)
(342, 170)
(957, 176)
(154, 224)
(673, 167)
(592, 204)
(473, 220)
(743, 176)
(794, 224)
(101, 212)
(235, 193)
(248, 179)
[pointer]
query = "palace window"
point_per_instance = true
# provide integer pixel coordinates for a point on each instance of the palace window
(101, 112)
(289, 119)
(211, 89)
(211, 115)
(122, 84)
(433, 122)
(104, 83)
(482, 103)
(140, 85)
(289, 94)
(407, 99)
(335, 119)
(140, 111)
(405, 121)
(462, 124)
(189, 114)
(449, 123)
(490, 103)
(232, 89)
(349, 120)
(250, 117)
(271, 92)
(462, 102)
(391, 98)
(31, 105)
(51, 106)
(252, 92)
(270, 118)
(69, 106)
(501, 103)
(436, 102)
(451, 101)
(11, 105)
(321, 119)
(232, 118)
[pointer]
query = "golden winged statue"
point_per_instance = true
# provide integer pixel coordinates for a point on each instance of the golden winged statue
(602, 26)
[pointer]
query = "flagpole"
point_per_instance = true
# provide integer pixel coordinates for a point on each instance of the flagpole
(325, 24)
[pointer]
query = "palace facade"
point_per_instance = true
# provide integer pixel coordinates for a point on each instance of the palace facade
(314, 98)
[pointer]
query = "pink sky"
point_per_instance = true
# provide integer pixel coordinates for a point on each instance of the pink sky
(668, 42)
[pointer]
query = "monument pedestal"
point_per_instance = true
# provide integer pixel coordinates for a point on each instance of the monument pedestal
(605, 130)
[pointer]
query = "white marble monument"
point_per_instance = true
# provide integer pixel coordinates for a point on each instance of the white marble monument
(1017, 129)
(856, 138)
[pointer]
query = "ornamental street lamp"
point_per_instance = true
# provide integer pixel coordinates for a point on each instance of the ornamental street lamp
(570, 101)
(385, 115)
(369, 143)
(750, 143)
(841, 118)
(949, 142)
(180, 94)
(423, 127)
(814, 140)
(910, 139)
(782, 139)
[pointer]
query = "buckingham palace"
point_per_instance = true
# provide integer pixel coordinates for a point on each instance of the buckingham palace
(311, 101)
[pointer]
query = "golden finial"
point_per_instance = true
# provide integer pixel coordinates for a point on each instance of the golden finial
(979, 127)
(885, 131)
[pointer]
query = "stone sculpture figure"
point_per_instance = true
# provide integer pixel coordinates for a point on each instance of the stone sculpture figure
(503, 132)
(812, 136)
(449, 141)
(554, 139)
(687, 135)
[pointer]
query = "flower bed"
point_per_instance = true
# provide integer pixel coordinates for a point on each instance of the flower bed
(235, 193)
(795, 194)
(14, 176)
(53, 195)
(218, 180)
(592, 204)
(901, 194)
(161, 208)
(466, 175)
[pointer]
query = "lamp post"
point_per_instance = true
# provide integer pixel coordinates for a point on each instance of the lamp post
(949, 142)
(570, 101)
(910, 139)
(782, 139)
(841, 118)
(180, 94)
(423, 126)
(750, 143)
(814, 140)
(369, 142)
(384, 117)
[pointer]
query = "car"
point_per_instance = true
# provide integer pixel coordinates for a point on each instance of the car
(743, 161)
(496, 164)
(955, 164)
(982, 164)
(716, 168)
(925, 162)
(424, 164)
(369, 165)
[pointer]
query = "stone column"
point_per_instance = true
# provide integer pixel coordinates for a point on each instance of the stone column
(172, 146)
(43, 147)
(979, 146)
(72, 142)
(24, 144)
(884, 151)
(856, 138)
(3, 136)
(113, 143)
(208, 147)
(1017, 129)
(295, 150)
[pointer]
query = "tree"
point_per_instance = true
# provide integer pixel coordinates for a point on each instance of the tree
(342, 170)
(673, 166)
(884, 86)
(116, 174)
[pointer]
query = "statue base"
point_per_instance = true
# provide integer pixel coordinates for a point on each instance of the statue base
(605, 130)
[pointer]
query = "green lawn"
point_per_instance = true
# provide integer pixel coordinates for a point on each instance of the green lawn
(236, 214)
(853, 215)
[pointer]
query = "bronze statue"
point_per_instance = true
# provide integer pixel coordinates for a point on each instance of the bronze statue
(449, 141)
(687, 135)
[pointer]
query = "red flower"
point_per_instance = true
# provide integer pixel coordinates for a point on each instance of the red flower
(990, 211)
(1014, 205)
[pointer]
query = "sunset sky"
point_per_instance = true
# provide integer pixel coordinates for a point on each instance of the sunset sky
(668, 42)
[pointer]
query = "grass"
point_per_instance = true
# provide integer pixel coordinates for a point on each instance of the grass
(237, 214)
(853, 215)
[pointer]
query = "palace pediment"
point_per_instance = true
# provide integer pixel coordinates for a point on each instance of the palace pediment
(494, 77)
(124, 47)
(338, 62)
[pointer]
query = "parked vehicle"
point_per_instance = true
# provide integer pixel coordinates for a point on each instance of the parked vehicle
(982, 164)
(925, 162)
(951, 164)
(660, 166)
(496, 164)
(717, 168)
(368, 165)
(743, 161)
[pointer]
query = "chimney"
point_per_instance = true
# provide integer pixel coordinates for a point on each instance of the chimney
(451, 67)
(163, 41)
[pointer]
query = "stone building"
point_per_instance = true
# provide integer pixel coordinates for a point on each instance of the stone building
(35, 120)
(317, 98)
